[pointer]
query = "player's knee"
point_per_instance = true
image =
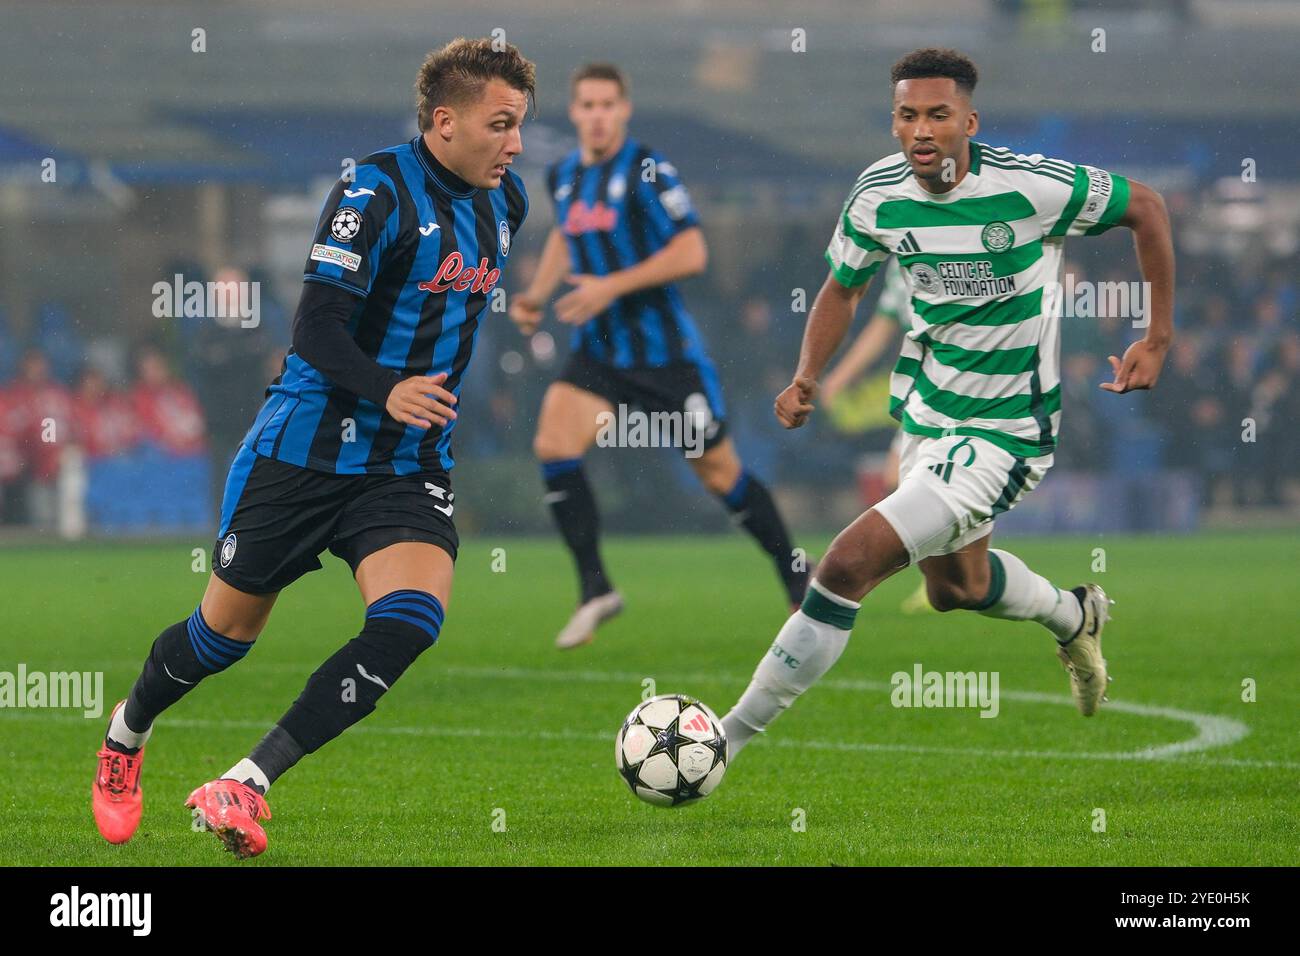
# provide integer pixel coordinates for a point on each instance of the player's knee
(841, 572)
(234, 614)
(942, 597)
(243, 627)
(719, 483)
(247, 632)
(715, 479)
(949, 595)
(549, 447)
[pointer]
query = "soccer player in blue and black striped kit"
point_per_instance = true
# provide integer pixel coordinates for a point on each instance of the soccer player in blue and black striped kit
(351, 451)
(625, 232)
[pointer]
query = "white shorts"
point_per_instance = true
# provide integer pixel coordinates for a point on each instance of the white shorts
(951, 489)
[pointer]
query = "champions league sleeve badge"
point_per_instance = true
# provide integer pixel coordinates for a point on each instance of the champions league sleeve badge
(346, 224)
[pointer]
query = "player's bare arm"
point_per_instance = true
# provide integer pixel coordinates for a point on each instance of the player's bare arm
(1147, 217)
(686, 254)
(829, 320)
(526, 308)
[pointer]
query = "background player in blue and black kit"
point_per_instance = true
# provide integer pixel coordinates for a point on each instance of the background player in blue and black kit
(625, 232)
(351, 450)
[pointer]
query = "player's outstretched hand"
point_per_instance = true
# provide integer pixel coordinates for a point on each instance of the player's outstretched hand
(794, 405)
(421, 401)
(525, 312)
(1139, 369)
(590, 296)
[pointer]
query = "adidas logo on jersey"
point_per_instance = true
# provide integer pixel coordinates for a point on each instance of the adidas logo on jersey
(909, 244)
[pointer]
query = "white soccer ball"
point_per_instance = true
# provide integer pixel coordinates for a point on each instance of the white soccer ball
(671, 750)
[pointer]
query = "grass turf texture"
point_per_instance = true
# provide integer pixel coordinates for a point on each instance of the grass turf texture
(494, 717)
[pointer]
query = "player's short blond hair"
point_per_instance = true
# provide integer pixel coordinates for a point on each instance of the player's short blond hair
(457, 73)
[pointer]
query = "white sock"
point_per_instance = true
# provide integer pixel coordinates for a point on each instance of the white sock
(120, 733)
(805, 649)
(246, 770)
(1027, 596)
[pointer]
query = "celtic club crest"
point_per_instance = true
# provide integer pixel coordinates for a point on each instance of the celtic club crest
(997, 237)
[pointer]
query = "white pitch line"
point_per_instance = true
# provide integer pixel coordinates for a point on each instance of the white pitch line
(1212, 731)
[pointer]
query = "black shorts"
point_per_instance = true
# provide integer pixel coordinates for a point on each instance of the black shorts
(677, 387)
(277, 518)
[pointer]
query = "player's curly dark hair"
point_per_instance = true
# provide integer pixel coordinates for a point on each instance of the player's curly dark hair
(936, 61)
(457, 73)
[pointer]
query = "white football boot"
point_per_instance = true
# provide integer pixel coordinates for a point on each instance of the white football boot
(1081, 654)
(589, 616)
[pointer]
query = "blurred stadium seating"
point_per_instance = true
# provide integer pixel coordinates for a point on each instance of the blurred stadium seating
(226, 165)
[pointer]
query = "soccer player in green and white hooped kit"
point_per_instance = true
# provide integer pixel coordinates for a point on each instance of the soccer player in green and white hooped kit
(979, 232)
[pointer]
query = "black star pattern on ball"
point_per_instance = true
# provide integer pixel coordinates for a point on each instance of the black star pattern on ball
(685, 792)
(629, 772)
(668, 740)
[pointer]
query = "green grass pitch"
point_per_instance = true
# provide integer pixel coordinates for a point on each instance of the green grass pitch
(495, 725)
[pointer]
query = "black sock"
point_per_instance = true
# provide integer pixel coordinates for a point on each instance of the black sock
(274, 754)
(183, 655)
(756, 512)
(574, 508)
(347, 687)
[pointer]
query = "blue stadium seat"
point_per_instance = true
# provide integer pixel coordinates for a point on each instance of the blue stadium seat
(148, 491)
(57, 337)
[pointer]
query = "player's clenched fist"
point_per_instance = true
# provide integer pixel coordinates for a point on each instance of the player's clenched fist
(794, 405)
(525, 312)
(421, 401)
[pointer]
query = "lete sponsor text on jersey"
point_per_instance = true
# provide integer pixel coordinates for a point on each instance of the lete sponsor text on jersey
(583, 218)
(455, 275)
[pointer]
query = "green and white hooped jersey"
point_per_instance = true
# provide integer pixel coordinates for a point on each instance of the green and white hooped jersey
(982, 264)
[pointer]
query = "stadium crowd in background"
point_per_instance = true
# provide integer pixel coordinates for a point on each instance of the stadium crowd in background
(178, 414)
(123, 454)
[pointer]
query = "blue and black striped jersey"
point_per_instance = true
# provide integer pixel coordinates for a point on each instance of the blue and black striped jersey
(615, 214)
(421, 250)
